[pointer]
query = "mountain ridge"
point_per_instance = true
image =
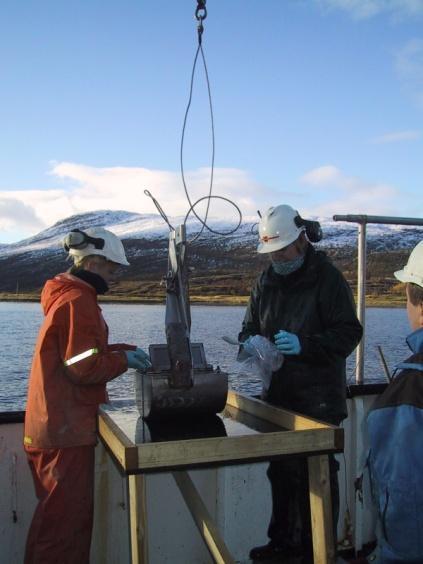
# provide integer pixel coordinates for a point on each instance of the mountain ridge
(222, 265)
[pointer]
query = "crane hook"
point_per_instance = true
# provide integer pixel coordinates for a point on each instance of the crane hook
(201, 11)
(201, 15)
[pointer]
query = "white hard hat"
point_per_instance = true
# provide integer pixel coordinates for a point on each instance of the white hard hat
(413, 270)
(95, 241)
(278, 229)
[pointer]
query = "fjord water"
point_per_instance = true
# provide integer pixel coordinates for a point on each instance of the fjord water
(144, 324)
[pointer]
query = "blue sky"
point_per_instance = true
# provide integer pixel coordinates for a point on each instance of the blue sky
(317, 103)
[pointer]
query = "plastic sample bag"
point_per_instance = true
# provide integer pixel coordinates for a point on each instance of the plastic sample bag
(261, 357)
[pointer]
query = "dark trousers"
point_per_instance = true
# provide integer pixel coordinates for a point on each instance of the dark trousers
(290, 523)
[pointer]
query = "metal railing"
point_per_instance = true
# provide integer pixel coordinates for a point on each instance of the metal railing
(362, 221)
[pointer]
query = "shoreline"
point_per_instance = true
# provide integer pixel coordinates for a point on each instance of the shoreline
(393, 301)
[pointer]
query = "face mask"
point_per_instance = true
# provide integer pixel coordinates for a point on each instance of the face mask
(283, 268)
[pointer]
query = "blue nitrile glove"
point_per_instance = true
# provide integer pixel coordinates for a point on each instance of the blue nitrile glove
(138, 359)
(244, 345)
(287, 343)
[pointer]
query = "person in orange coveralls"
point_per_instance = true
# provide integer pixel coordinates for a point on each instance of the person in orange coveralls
(71, 366)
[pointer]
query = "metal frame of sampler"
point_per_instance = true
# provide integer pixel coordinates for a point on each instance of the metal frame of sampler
(298, 435)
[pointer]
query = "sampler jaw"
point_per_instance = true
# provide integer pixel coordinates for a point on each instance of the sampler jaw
(157, 399)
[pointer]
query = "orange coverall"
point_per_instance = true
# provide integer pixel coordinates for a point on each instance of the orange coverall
(72, 364)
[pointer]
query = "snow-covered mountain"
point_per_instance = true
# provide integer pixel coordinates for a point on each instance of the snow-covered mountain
(32, 260)
(129, 225)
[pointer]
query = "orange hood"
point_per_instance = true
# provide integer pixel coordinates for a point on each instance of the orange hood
(61, 284)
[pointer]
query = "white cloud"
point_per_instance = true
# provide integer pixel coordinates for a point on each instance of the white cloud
(342, 194)
(123, 188)
(364, 9)
(88, 188)
(321, 176)
(396, 136)
(14, 212)
(409, 68)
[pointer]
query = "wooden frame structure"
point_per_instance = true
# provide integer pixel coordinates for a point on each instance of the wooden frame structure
(294, 435)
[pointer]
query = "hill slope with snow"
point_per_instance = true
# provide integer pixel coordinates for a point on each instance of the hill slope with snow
(30, 262)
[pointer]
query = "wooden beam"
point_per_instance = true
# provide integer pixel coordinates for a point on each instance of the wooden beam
(286, 419)
(121, 446)
(321, 510)
(221, 450)
(208, 530)
(138, 519)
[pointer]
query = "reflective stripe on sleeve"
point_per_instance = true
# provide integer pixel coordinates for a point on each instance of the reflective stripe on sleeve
(81, 356)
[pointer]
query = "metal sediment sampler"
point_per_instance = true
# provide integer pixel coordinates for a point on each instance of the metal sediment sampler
(180, 382)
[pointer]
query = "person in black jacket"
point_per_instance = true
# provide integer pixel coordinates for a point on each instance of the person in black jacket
(304, 304)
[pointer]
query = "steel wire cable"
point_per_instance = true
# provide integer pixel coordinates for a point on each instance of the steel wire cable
(204, 225)
(209, 196)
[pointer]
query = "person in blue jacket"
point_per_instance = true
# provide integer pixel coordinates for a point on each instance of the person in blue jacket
(395, 431)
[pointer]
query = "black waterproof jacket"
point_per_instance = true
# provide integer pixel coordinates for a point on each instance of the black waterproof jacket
(316, 304)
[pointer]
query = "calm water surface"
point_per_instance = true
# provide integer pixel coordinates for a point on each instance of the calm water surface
(144, 324)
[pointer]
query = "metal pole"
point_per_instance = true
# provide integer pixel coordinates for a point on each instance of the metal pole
(361, 299)
(384, 364)
(379, 219)
(362, 221)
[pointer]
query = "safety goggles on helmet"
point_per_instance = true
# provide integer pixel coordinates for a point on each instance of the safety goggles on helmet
(77, 239)
(95, 241)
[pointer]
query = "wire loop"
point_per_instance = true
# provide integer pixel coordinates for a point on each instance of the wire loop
(181, 156)
(210, 197)
(200, 14)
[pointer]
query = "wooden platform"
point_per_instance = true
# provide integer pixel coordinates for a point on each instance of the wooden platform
(248, 430)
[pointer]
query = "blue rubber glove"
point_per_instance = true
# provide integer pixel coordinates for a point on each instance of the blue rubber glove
(138, 359)
(287, 343)
(245, 346)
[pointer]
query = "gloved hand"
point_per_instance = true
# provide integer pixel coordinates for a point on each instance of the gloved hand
(244, 345)
(287, 343)
(138, 359)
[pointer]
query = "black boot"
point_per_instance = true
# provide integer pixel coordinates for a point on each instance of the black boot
(272, 551)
